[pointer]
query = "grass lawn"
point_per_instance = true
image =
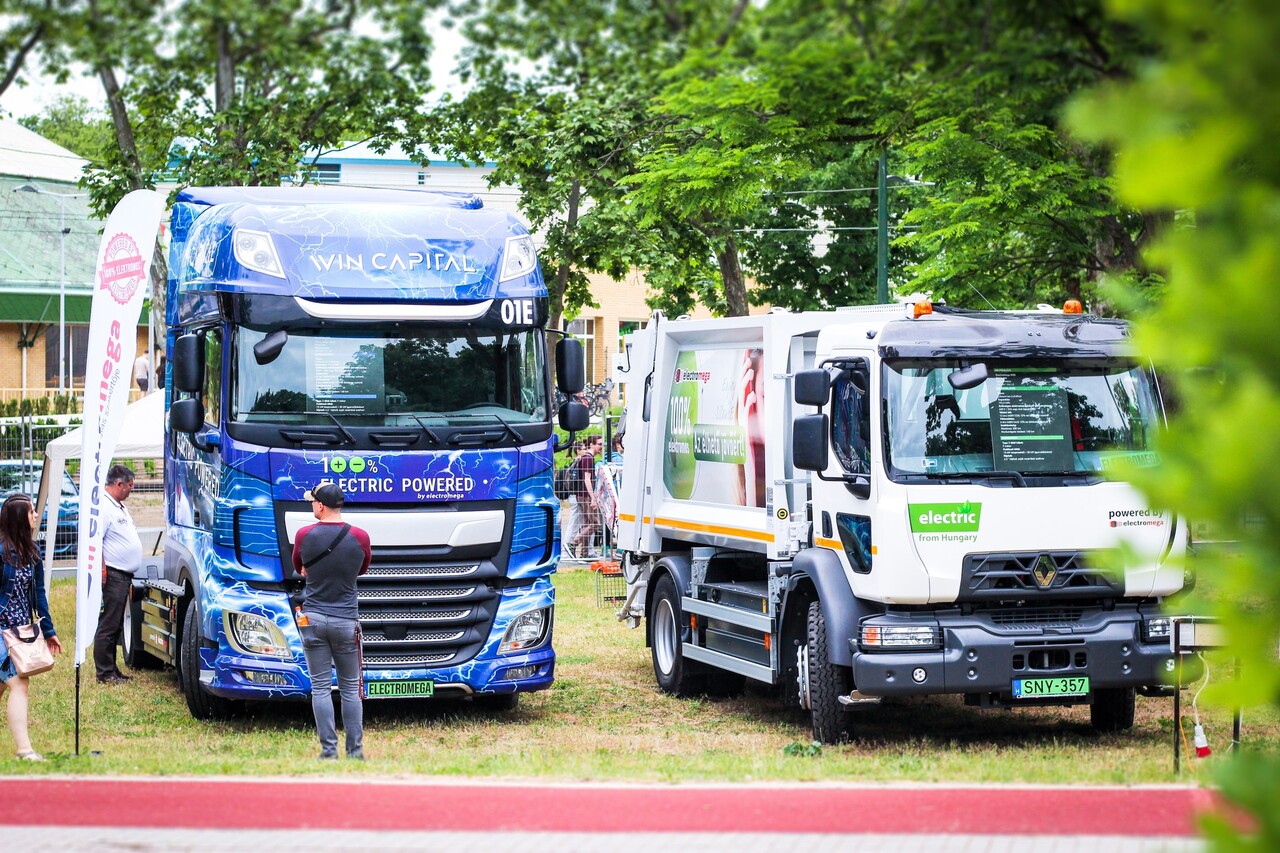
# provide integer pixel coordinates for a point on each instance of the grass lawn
(604, 719)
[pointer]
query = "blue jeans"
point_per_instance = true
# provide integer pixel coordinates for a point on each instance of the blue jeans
(332, 643)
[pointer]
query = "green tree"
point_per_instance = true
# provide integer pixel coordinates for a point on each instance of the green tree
(24, 25)
(75, 124)
(559, 99)
(1195, 133)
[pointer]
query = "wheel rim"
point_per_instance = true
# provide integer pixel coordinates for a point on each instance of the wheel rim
(665, 640)
(802, 677)
(126, 631)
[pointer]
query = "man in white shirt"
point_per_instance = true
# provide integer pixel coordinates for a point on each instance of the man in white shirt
(142, 372)
(122, 556)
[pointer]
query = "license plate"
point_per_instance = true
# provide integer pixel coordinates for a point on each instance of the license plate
(1033, 688)
(399, 689)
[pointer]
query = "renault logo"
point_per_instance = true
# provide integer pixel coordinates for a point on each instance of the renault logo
(1044, 572)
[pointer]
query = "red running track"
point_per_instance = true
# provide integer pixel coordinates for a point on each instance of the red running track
(466, 806)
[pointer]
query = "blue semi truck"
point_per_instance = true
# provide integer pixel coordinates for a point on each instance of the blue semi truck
(394, 342)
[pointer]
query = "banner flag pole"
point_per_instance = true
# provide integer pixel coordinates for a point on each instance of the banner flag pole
(124, 261)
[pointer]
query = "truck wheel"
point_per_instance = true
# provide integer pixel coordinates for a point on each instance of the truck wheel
(823, 682)
(131, 636)
(1112, 709)
(669, 631)
(202, 704)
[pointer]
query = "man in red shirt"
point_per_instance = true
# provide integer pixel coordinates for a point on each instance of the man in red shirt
(331, 554)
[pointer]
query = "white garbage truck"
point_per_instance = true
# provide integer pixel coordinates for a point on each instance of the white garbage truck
(897, 500)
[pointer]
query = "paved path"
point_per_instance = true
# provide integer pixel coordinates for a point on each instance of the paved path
(66, 813)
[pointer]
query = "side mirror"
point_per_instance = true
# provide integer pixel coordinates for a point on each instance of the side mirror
(186, 415)
(571, 366)
(812, 387)
(574, 416)
(188, 364)
(970, 376)
(268, 349)
(809, 442)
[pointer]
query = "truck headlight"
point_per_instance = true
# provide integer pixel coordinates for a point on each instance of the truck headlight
(526, 631)
(1156, 630)
(254, 634)
(900, 637)
(518, 258)
(255, 251)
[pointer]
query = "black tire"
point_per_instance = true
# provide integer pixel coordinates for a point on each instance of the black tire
(202, 704)
(827, 682)
(497, 702)
(131, 636)
(669, 631)
(1112, 709)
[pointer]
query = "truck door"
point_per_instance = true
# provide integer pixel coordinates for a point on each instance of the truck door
(843, 516)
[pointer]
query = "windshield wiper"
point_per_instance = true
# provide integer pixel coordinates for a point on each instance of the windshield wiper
(306, 436)
(505, 425)
(970, 476)
(426, 429)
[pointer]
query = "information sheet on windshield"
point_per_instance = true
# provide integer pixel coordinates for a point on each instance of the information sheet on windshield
(1031, 426)
(345, 377)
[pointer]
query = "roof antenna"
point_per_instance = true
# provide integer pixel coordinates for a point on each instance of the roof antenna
(984, 299)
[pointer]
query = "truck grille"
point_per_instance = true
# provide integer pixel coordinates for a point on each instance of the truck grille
(415, 612)
(1035, 576)
(1038, 617)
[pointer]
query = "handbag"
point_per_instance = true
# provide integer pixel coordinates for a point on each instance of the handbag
(27, 646)
(28, 650)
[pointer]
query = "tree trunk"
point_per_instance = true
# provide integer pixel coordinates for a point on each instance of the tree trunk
(20, 57)
(735, 288)
(123, 127)
(560, 283)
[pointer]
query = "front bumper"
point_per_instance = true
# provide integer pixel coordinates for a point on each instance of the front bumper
(228, 672)
(982, 658)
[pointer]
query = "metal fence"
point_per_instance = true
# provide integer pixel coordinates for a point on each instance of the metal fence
(22, 456)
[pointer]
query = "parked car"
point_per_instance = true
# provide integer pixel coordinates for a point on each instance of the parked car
(20, 476)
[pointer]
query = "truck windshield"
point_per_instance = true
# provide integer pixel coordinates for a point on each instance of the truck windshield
(1028, 417)
(432, 375)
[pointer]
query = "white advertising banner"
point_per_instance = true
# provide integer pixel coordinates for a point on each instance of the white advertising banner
(124, 264)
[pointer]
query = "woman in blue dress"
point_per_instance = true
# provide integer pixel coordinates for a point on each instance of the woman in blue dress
(21, 592)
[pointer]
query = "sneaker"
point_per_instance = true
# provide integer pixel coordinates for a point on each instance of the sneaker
(328, 756)
(356, 756)
(30, 755)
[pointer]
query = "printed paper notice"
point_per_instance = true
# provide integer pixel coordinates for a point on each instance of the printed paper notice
(1031, 427)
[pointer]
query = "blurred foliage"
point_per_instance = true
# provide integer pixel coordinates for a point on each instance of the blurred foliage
(1195, 132)
(75, 124)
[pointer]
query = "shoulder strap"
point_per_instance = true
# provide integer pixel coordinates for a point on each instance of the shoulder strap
(342, 534)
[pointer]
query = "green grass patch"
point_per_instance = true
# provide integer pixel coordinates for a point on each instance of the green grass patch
(605, 719)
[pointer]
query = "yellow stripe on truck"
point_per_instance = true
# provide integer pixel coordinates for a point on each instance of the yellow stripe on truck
(714, 528)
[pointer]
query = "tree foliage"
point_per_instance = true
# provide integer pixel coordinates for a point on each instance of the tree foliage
(559, 99)
(76, 125)
(1195, 133)
(249, 91)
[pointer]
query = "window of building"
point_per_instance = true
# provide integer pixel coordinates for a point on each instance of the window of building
(326, 173)
(585, 331)
(77, 344)
(422, 179)
(626, 327)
